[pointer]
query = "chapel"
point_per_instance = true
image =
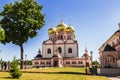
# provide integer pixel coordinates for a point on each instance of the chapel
(110, 51)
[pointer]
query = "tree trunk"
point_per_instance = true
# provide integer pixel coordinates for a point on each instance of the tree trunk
(22, 60)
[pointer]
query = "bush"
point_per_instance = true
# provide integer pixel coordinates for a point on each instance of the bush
(14, 70)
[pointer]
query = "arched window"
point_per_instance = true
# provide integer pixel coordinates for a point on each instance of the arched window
(61, 37)
(60, 49)
(111, 58)
(49, 51)
(70, 50)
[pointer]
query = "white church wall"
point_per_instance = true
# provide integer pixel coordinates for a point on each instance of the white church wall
(45, 48)
(74, 62)
(62, 47)
(74, 50)
(59, 41)
(35, 63)
(69, 41)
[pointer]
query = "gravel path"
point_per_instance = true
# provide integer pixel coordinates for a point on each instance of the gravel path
(114, 78)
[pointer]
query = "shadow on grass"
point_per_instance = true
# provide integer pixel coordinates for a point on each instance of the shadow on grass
(76, 73)
(9, 78)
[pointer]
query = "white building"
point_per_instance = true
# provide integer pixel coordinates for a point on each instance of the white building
(61, 49)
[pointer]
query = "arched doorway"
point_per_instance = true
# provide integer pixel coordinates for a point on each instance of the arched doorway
(55, 63)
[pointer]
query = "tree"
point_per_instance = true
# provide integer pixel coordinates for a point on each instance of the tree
(2, 34)
(28, 62)
(95, 62)
(14, 70)
(21, 21)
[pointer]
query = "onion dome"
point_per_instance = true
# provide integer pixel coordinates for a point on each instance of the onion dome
(70, 29)
(61, 27)
(39, 54)
(52, 30)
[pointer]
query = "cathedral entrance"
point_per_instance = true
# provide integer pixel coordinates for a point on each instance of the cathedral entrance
(56, 60)
(55, 64)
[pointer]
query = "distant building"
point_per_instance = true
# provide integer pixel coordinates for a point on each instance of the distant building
(110, 51)
(61, 49)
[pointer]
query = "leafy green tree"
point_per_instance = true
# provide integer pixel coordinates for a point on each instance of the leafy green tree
(28, 62)
(95, 63)
(2, 34)
(21, 21)
(14, 70)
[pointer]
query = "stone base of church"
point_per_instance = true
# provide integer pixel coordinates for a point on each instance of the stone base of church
(108, 71)
(60, 62)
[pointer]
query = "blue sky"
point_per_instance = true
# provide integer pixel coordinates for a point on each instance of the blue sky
(94, 22)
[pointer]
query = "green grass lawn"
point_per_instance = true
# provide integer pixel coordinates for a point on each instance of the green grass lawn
(53, 74)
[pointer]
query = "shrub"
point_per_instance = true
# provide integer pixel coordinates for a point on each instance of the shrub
(14, 70)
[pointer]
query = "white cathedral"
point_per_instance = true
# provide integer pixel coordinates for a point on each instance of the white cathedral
(61, 49)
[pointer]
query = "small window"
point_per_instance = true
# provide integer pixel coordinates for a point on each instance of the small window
(60, 49)
(42, 63)
(48, 62)
(70, 50)
(80, 62)
(49, 51)
(67, 62)
(74, 62)
(61, 37)
(36, 63)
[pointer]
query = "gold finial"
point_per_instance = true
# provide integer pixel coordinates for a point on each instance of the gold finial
(85, 46)
(62, 22)
(86, 51)
(39, 52)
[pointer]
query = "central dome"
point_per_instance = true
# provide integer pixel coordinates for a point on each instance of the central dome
(61, 27)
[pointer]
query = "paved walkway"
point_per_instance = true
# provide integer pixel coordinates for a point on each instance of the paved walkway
(114, 78)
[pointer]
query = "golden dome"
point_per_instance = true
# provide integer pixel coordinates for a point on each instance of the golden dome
(52, 30)
(70, 29)
(61, 27)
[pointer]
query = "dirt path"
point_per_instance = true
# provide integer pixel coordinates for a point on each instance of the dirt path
(114, 78)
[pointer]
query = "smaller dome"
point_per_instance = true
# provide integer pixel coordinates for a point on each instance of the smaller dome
(38, 56)
(70, 29)
(61, 27)
(52, 30)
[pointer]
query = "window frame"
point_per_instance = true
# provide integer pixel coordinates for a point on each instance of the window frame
(48, 51)
(69, 50)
